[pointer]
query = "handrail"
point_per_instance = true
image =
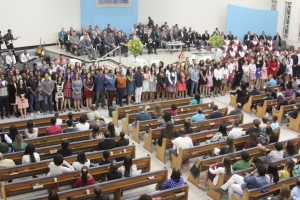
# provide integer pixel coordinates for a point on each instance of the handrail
(118, 47)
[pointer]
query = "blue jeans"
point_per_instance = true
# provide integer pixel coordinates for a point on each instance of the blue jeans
(194, 86)
(47, 101)
(100, 95)
(33, 100)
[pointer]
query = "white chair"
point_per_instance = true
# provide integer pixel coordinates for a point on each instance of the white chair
(139, 62)
(154, 61)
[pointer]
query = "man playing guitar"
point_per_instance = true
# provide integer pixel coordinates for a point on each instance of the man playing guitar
(8, 38)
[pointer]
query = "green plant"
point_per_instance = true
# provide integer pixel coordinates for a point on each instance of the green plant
(216, 40)
(135, 46)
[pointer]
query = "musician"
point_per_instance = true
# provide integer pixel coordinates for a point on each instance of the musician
(110, 43)
(87, 47)
(230, 36)
(75, 44)
(263, 37)
(10, 59)
(205, 37)
(8, 38)
(120, 41)
(247, 38)
(61, 37)
(100, 45)
(25, 56)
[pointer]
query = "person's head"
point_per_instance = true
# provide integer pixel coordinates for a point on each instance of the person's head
(215, 108)
(199, 110)
(30, 126)
(289, 166)
(141, 109)
(167, 117)
(84, 174)
(264, 119)
(158, 111)
(238, 106)
(82, 119)
(81, 157)
(261, 170)
(58, 159)
(64, 144)
(173, 107)
(53, 120)
(278, 146)
(236, 123)
(187, 124)
(93, 107)
(53, 195)
(272, 169)
(274, 118)
(197, 97)
(105, 155)
(111, 128)
(290, 148)
(223, 129)
(256, 123)
(19, 141)
(113, 167)
(169, 129)
(227, 164)
(285, 192)
(245, 156)
(127, 163)
(175, 176)
(29, 150)
(98, 190)
(122, 134)
(107, 134)
(145, 197)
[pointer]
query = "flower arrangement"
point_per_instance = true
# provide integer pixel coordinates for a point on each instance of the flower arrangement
(216, 40)
(135, 46)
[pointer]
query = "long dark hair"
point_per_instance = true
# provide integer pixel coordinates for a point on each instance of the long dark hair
(227, 165)
(253, 140)
(13, 132)
(111, 128)
(81, 157)
(272, 169)
(84, 173)
(223, 129)
(197, 97)
(30, 126)
(175, 176)
(290, 148)
(127, 163)
(29, 150)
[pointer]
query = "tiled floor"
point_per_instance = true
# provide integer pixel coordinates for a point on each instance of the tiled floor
(221, 101)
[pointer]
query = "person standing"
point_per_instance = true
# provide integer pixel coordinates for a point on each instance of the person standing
(88, 90)
(100, 88)
(195, 75)
(76, 91)
(161, 83)
(4, 97)
(129, 85)
(12, 93)
(59, 93)
(121, 85)
(110, 87)
(47, 88)
(146, 84)
(153, 82)
(32, 86)
(22, 98)
(138, 83)
(67, 91)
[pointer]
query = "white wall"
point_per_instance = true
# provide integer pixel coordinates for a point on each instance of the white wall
(201, 15)
(33, 19)
(292, 38)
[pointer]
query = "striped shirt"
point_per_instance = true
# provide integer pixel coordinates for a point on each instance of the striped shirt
(194, 75)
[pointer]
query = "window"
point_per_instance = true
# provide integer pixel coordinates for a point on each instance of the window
(274, 5)
(286, 18)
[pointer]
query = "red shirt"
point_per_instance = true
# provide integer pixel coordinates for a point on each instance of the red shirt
(79, 183)
(53, 129)
(272, 65)
(173, 112)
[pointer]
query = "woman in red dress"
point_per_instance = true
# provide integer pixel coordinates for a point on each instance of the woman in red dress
(88, 90)
(273, 67)
(68, 91)
(181, 86)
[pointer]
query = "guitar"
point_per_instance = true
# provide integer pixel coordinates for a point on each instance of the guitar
(43, 50)
(39, 49)
(8, 42)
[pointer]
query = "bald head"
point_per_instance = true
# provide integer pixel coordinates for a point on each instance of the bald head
(93, 107)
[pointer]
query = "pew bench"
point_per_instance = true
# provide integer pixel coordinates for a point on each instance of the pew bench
(21, 171)
(267, 104)
(294, 123)
(198, 126)
(232, 101)
(114, 187)
(252, 99)
(121, 112)
(283, 110)
(180, 111)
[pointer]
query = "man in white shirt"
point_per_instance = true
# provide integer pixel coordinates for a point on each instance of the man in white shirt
(25, 56)
(58, 120)
(182, 142)
(235, 132)
(10, 59)
(91, 114)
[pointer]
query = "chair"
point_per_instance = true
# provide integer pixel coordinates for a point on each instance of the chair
(291, 47)
(283, 45)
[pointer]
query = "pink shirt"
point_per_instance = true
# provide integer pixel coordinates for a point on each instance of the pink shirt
(53, 130)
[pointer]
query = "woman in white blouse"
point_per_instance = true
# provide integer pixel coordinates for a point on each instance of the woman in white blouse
(56, 167)
(218, 75)
(82, 125)
(128, 169)
(146, 84)
(81, 161)
(252, 67)
(30, 156)
(172, 82)
(289, 65)
(225, 75)
(31, 131)
(231, 70)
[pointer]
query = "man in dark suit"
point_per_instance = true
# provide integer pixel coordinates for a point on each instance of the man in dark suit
(148, 39)
(107, 143)
(120, 41)
(100, 45)
(230, 36)
(65, 151)
(237, 110)
(254, 36)
(205, 37)
(216, 114)
(70, 128)
(98, 193)
(263, 37)
(140, 33)
(123, 141)
(247, 38)
(150, 22)
(185, 38)
(105, 159)
(277, 37)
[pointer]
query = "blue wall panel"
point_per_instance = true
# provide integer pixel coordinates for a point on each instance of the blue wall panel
(122, 18)
(240, 20)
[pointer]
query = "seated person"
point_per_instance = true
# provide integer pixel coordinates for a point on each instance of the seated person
(290, 151)
(271, 135)
(253, 92)
(288, 169)
(274, 125)
(70, 117)
(288, 90)
(242, 164)
(87, 47)
(65, 151)
(5, 163)
(123, 141)
(82, 125)
(255, 128)
(176, 180)
(237, 110)
(163, 120)
(58, 120)
(227, 148)
(173, 111)
(96, 134)
(99, 195)
(277, 153)
(18, 144)
(128, 169)
(253, 141)
(56, 167)
(113, 172)
(199, 117)
(241, 94)
(235, 132)
(221, 135)
(196, 100)
(81, 161)
(180, 142)
(272, 81)
(105, 159)
(187, 127)
(107, 143)
(280, 102)
(4, 147)
(168, 133)
(215, 114)
(53, 129)
(285, 193)
(142, 116)
(85, 178)
(70, 128)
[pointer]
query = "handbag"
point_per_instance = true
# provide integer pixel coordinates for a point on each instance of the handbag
(195, 171)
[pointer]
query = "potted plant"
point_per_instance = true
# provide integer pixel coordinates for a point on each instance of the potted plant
(135, 46)
(216, 41)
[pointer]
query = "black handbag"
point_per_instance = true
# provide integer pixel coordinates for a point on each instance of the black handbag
(195, 171)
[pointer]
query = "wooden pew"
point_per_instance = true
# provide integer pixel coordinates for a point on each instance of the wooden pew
(114, 187)
(120, 112)
(257, 194)
(294, 123)
(56, 139)
(232, 101)
(179, 119)
(43, 121)
(261, 110)
(196, 138)
(283, 110)
(204, 164)
(47, 182)
(252, 99)
(49, 151)
(177, 193)
(41, 167)
(180, 111)
(202, 150)
(198, 126)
